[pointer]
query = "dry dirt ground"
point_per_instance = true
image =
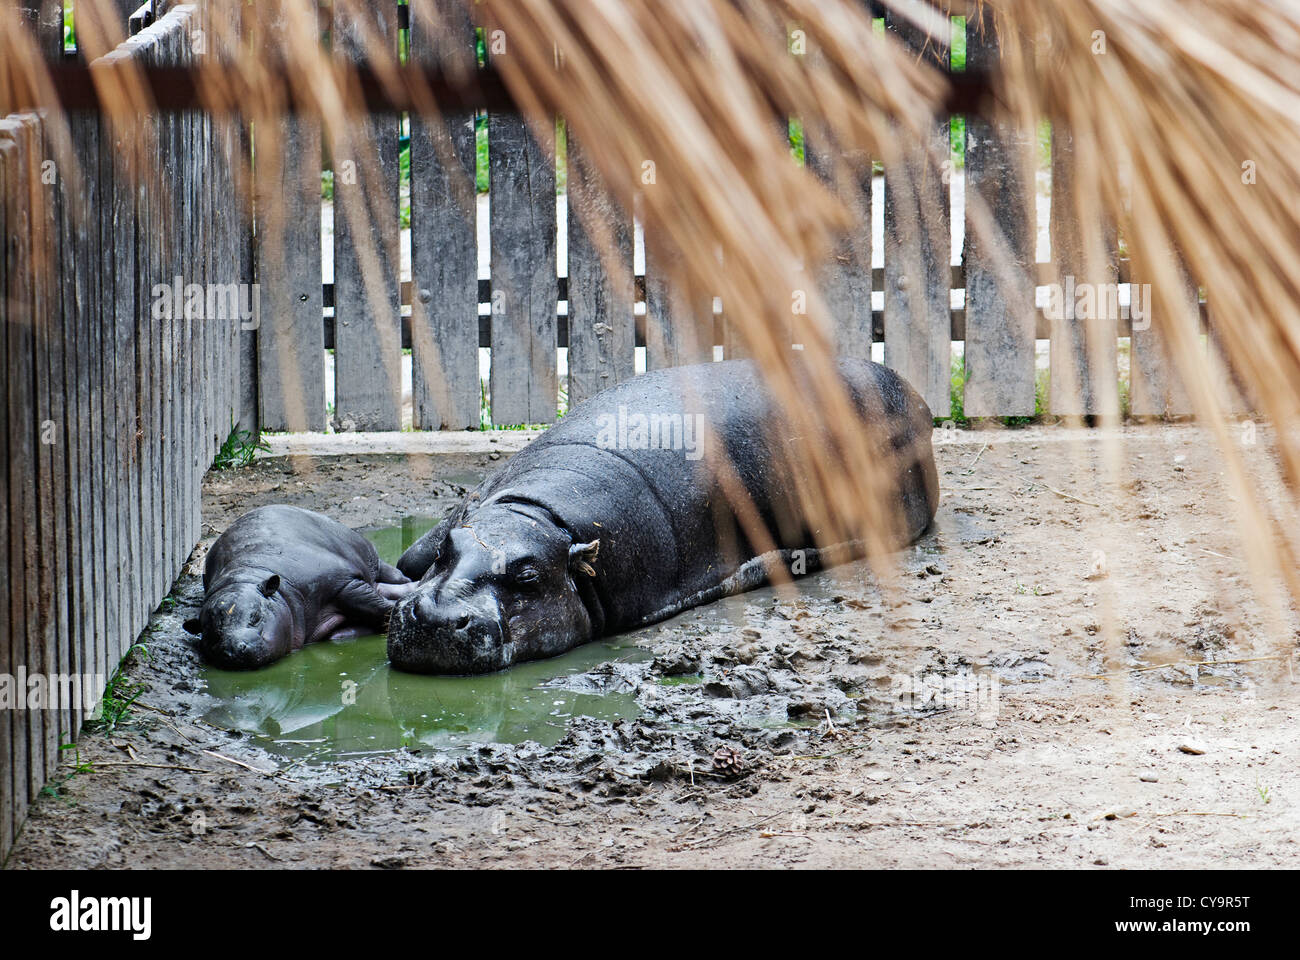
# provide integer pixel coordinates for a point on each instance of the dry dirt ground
(1065, 617)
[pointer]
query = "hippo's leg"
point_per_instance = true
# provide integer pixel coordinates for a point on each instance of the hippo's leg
(362, 603)
(392, 584)
(338, 626)
(326, 628)
(395, 591)
(756, 572)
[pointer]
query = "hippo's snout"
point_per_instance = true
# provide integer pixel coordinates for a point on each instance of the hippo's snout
(426, 636)
(242, 650)
(432, 617)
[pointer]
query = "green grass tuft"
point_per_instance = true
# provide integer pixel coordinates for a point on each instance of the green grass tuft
(120, 694)
(239, 450)
(957, 398)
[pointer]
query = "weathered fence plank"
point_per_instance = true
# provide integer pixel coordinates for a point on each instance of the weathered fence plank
(1155, 387)
(24, 571)
(206, 427)
(127, 390)
(601, 324)
(149, 237)
(174, 261)
(678, 322)
(845, 281)
(79, 190)
(229, 220)
(56, 430)
(1000, 314)
(524, 380)
(43, 655)
(135, 315)
(367, 306)
(194, 407)
(1234, 397)
(111, 492)
(290, 344)
(918, 253)
(50, 617)
(218, 427)
(12, 740)
(444, 234)
(1084, 349)
(176, 256)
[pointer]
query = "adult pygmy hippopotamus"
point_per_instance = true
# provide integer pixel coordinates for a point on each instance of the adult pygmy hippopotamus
(281, 577)
(600, 526)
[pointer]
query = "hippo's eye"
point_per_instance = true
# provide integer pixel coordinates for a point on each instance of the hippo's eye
(527, 575)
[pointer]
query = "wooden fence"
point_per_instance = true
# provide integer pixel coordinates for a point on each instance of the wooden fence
(113, 409)
(444, 313)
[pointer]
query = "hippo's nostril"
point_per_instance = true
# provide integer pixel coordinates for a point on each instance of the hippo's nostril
(425, 610)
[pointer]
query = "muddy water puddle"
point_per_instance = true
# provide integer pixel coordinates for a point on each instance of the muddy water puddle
(340, 699)
(725, 662)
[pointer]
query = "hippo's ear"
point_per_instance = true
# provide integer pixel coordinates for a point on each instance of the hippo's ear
(194, 625)
(270, 585)
(582, 556)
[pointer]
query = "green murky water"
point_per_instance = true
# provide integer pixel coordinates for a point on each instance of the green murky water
(340, 699)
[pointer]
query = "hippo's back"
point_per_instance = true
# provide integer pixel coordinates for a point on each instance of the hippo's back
(630, 467)
(301, 545)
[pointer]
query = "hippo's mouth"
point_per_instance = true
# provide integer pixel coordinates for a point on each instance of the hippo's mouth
(232, 655)
(464, 646)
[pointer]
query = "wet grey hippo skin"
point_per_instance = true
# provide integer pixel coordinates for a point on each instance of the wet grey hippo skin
(577, 537)
(281, 577)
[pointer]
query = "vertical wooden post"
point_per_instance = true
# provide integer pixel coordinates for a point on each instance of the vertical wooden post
(133, 317)
(112, 492)
(1235, 398)
(176, 173)
(13, 748)
(59, 434)
(1156, 388)
(80, 200)
(150, 226)
(367, 293)
(1000, 313)
(290, 341)
(444, 233)
(197, 413)
(125, 389)
(24, 556)
(524, 378)
(1084, 349)
(679, 322)
(602, 332)
(846, 280)
(918, 255)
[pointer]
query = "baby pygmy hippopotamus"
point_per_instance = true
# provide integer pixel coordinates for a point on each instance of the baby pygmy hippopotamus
(281, 577)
